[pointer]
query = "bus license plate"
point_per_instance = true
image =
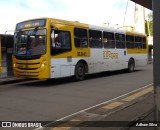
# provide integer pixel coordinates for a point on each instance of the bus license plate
(27, 73)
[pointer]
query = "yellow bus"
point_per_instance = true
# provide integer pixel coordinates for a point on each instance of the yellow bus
(47, 48)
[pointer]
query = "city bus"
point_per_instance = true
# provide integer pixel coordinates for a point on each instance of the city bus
(47, 48)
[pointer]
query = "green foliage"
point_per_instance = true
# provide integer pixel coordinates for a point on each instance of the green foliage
(149, 25)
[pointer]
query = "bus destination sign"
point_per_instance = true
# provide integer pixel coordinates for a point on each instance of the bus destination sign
(31, 24)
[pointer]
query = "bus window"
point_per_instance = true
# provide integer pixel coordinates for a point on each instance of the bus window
(129, 41)
(120, 40)
(95, 38)
(138, 42)
(30, 42)
(144, 43)
(60, 42)
(108, 40)
(80, 37)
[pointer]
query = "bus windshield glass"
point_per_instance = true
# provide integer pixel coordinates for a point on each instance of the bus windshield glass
(30, 42)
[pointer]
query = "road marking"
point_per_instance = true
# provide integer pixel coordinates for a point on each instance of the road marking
(65, 126)
(104, 102)
(109, 106)
(139, 94)
(76, 121)
(60, 128)
(112, 105)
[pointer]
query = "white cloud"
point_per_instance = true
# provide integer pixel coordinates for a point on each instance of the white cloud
(86, 11)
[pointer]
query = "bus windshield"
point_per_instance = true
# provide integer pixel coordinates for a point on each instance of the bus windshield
(30, 42)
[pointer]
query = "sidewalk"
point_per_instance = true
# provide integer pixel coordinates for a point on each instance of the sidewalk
(122, 114)
(4, 79)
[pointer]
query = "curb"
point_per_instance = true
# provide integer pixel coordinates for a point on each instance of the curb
(118, 116)
(11, 80)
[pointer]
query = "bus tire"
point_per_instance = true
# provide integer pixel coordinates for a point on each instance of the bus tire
(131, 65)
(79, 71)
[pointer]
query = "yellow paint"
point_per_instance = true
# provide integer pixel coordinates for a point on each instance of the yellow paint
(139, 94)
(76, 122)
(75, 53)
(137, 51)
(135, 34)
(112, 105)
(61, 128)
(32, 68)
(69, 26)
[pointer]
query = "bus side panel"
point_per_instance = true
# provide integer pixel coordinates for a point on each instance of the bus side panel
(62, 67)
(108, 59)
(55, 68)
(140, 56)
(122, 61)
(140, 60)
(96, 61)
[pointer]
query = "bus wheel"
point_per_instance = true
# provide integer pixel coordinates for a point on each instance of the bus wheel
(79, 72)
(131, 65)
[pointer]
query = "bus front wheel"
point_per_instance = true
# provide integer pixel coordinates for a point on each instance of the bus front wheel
(79, 72)
(131, 65)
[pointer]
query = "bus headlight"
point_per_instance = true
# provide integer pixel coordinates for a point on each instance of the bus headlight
(14, 65)
(43, 64)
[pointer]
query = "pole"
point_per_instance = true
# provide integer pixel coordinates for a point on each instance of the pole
(9, 45)
(125, 13)
(156, 56)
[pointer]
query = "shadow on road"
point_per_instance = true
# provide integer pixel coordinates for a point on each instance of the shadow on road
(68, 80)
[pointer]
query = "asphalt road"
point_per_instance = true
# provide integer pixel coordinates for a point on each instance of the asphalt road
(43, 100)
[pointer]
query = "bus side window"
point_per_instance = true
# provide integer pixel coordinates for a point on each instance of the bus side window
(130, 41)
(64, 39)
(55, 39)
(138, 42)
(80, 38)
(60, 41)
(144, 43)
(95, 39)
(108, 40)
(120, 40)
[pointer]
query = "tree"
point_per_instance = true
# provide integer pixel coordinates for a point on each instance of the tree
(149, 25)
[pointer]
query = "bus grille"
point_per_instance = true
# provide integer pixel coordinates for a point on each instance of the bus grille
(28, 66)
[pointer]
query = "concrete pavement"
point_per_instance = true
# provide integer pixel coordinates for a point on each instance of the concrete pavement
(5, 79)
(121, 113)
(127, 112)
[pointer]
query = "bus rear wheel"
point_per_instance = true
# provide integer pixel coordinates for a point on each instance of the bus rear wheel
(79, 71)
(131, 65)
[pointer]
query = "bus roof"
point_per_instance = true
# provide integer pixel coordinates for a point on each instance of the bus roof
(108, 29)
(84, 25)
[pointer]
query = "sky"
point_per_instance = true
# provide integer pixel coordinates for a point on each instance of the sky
(95, 12)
